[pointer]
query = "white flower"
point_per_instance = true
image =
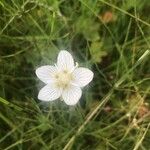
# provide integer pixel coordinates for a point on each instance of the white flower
(63, 80)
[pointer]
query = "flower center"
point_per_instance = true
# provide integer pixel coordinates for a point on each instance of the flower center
(63, 79)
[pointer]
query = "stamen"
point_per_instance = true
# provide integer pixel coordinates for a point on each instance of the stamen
(56, 76)
(76, 66)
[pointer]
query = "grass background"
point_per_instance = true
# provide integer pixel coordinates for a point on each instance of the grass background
(110, 37)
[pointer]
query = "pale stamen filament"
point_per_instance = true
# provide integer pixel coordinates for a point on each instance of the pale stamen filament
(76, 66)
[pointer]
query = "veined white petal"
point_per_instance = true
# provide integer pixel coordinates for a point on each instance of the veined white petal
(82, 76)
(46, 73)
(65, 60)
(72, 95)
(49, 93)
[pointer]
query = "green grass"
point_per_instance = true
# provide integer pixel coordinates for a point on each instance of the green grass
(111, 38)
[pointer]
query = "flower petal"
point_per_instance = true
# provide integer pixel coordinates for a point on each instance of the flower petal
(82, 76)
(65, 60)
(46, 73)
(72, 95)
(49, 93)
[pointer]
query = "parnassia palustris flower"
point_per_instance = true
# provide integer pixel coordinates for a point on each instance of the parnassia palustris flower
(65, 79)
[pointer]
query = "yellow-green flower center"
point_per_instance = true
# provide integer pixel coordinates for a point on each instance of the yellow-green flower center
(63, 79)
